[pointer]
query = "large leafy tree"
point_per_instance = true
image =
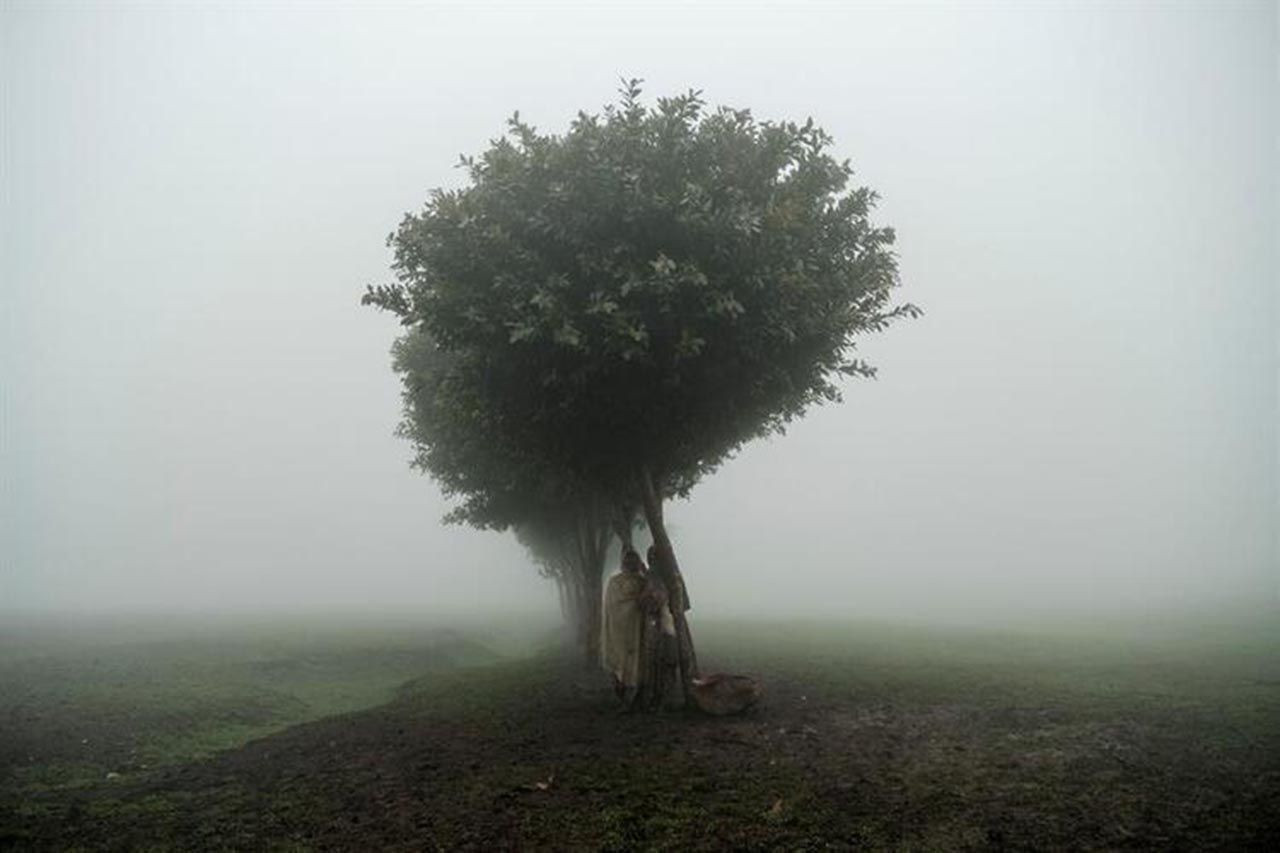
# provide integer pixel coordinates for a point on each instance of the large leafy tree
(635, 298)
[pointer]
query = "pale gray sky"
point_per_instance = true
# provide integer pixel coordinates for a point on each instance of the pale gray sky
(198, 414)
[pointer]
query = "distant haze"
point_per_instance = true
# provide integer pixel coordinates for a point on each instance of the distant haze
(197, 414)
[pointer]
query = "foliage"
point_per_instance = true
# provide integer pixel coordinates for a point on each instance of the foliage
(650, 289)
(560, 521)
(447, 419)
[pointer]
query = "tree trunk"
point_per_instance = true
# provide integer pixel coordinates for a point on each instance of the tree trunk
(622, 519)
(669, 570)
(590, 617)
(566, 602)
(592, 541)
(572, 594)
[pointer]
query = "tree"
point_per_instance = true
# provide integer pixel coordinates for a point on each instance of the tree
(641, 295)
(563, 526)
(570, 544)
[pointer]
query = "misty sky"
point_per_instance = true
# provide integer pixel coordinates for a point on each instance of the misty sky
(197, 413)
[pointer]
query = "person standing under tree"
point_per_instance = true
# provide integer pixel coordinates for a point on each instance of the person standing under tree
(624, 621)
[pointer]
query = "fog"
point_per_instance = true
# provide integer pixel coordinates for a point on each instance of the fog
(198, 415)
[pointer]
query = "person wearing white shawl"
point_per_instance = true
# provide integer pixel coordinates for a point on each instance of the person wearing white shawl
(624, 620)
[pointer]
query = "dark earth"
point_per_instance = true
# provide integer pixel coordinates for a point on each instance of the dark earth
(878, 740)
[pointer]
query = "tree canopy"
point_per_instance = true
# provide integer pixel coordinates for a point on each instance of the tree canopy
(452, 426)
(646, 291)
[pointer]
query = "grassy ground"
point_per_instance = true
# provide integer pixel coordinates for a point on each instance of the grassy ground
(869, 736)
(81, 702)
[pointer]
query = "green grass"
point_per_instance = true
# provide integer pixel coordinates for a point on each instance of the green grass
(76, 706)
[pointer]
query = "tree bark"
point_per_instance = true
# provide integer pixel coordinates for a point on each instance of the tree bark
(592, 594)
(622, 519)
(669, 570)
(566, 608)
(592, 541)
